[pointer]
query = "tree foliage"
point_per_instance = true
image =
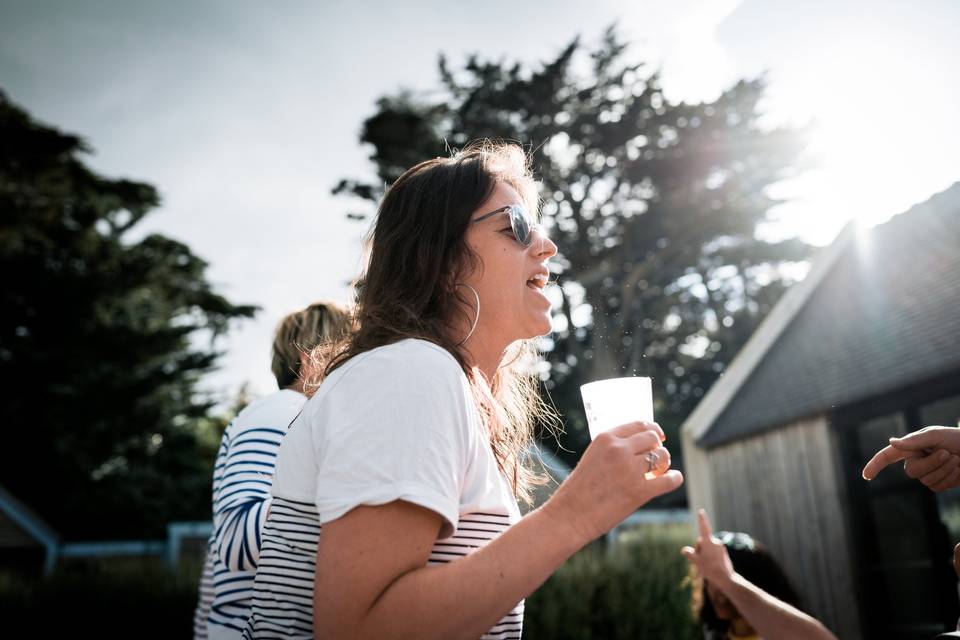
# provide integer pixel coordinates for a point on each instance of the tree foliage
(102, 343)
(654, 205)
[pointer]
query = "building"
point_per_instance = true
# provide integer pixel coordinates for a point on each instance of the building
(866, 347)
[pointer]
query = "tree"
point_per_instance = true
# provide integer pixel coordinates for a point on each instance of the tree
(654, 206)
(102, 342)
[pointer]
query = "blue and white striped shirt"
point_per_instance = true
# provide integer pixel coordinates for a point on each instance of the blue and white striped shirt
(242, 477)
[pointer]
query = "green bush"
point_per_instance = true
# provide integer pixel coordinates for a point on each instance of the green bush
(632, 590)
(118, 599)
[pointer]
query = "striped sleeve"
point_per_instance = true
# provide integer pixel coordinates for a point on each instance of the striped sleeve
(205, 597)
(241, 493)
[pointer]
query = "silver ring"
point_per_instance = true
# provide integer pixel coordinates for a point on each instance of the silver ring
(652, 459)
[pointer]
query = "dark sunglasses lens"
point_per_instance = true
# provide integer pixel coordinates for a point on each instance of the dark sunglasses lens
(520, 224)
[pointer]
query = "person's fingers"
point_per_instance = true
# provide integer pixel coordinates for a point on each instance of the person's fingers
(666, 483)
(662, 461)
(941, 472)
(692, 557)
(903, 455)
(706, 531)
(643, 442)
(882, 459)
(926, 438)
(630, 428)
(956, 559)
(949, 482)
(923, 465)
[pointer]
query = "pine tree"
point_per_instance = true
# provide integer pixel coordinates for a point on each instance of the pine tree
(102, 343)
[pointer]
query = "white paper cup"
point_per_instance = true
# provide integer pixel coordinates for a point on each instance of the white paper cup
(611, 403)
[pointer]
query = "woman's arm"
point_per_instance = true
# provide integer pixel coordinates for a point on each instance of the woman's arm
(241, 496)
(770, 617)
(371, 578)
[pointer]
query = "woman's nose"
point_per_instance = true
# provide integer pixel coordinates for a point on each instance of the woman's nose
(542, 244)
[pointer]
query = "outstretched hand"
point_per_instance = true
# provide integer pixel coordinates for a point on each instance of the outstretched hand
(709, 555)
(931, 455)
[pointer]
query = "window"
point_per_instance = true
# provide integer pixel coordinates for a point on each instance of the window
(945, 412)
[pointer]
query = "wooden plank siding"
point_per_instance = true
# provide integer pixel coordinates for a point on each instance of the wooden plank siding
(697, 477)
(784, 487)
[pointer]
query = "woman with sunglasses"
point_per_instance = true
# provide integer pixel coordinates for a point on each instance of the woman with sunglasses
(395, 495)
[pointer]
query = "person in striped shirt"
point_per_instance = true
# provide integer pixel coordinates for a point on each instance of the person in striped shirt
(244, 468)
(395, 494)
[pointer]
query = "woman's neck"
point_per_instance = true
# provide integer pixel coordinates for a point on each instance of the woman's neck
(484, 354)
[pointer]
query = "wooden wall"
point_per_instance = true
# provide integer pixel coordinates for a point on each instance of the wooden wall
(784, 488)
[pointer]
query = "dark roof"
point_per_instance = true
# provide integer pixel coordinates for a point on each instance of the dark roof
(885, 315)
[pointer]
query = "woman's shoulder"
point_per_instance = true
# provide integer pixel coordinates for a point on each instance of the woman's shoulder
(411, 355)
(273, 411)
(408, 363)
(416, 348)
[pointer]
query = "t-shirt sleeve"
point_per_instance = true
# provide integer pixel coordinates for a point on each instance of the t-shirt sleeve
(394, 427)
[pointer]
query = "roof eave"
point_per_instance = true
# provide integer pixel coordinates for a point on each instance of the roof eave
(698, 424)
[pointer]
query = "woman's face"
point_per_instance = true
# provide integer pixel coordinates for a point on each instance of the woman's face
(508, 276)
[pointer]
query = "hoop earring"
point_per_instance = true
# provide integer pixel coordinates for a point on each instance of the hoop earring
(476, 317)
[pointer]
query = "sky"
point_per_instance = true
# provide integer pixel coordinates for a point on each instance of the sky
(245, 114)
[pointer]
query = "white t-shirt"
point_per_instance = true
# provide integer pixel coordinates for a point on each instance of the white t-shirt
(396, 423)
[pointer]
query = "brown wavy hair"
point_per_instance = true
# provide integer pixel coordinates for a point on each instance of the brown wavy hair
(416, 252)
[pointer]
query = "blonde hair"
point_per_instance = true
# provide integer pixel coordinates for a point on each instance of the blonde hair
(409, 289)
(300, 332)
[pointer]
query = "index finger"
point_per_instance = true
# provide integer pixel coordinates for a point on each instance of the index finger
(882, 459)
(706, 531)
(630, 428)
(926, 438)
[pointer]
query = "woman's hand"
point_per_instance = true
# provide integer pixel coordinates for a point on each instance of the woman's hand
(609, 483)
(709, 555)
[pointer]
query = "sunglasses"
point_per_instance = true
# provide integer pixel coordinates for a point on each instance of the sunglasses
(519, 223)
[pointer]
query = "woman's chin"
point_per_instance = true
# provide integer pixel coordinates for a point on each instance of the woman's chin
(534, 326)
(543, 328)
